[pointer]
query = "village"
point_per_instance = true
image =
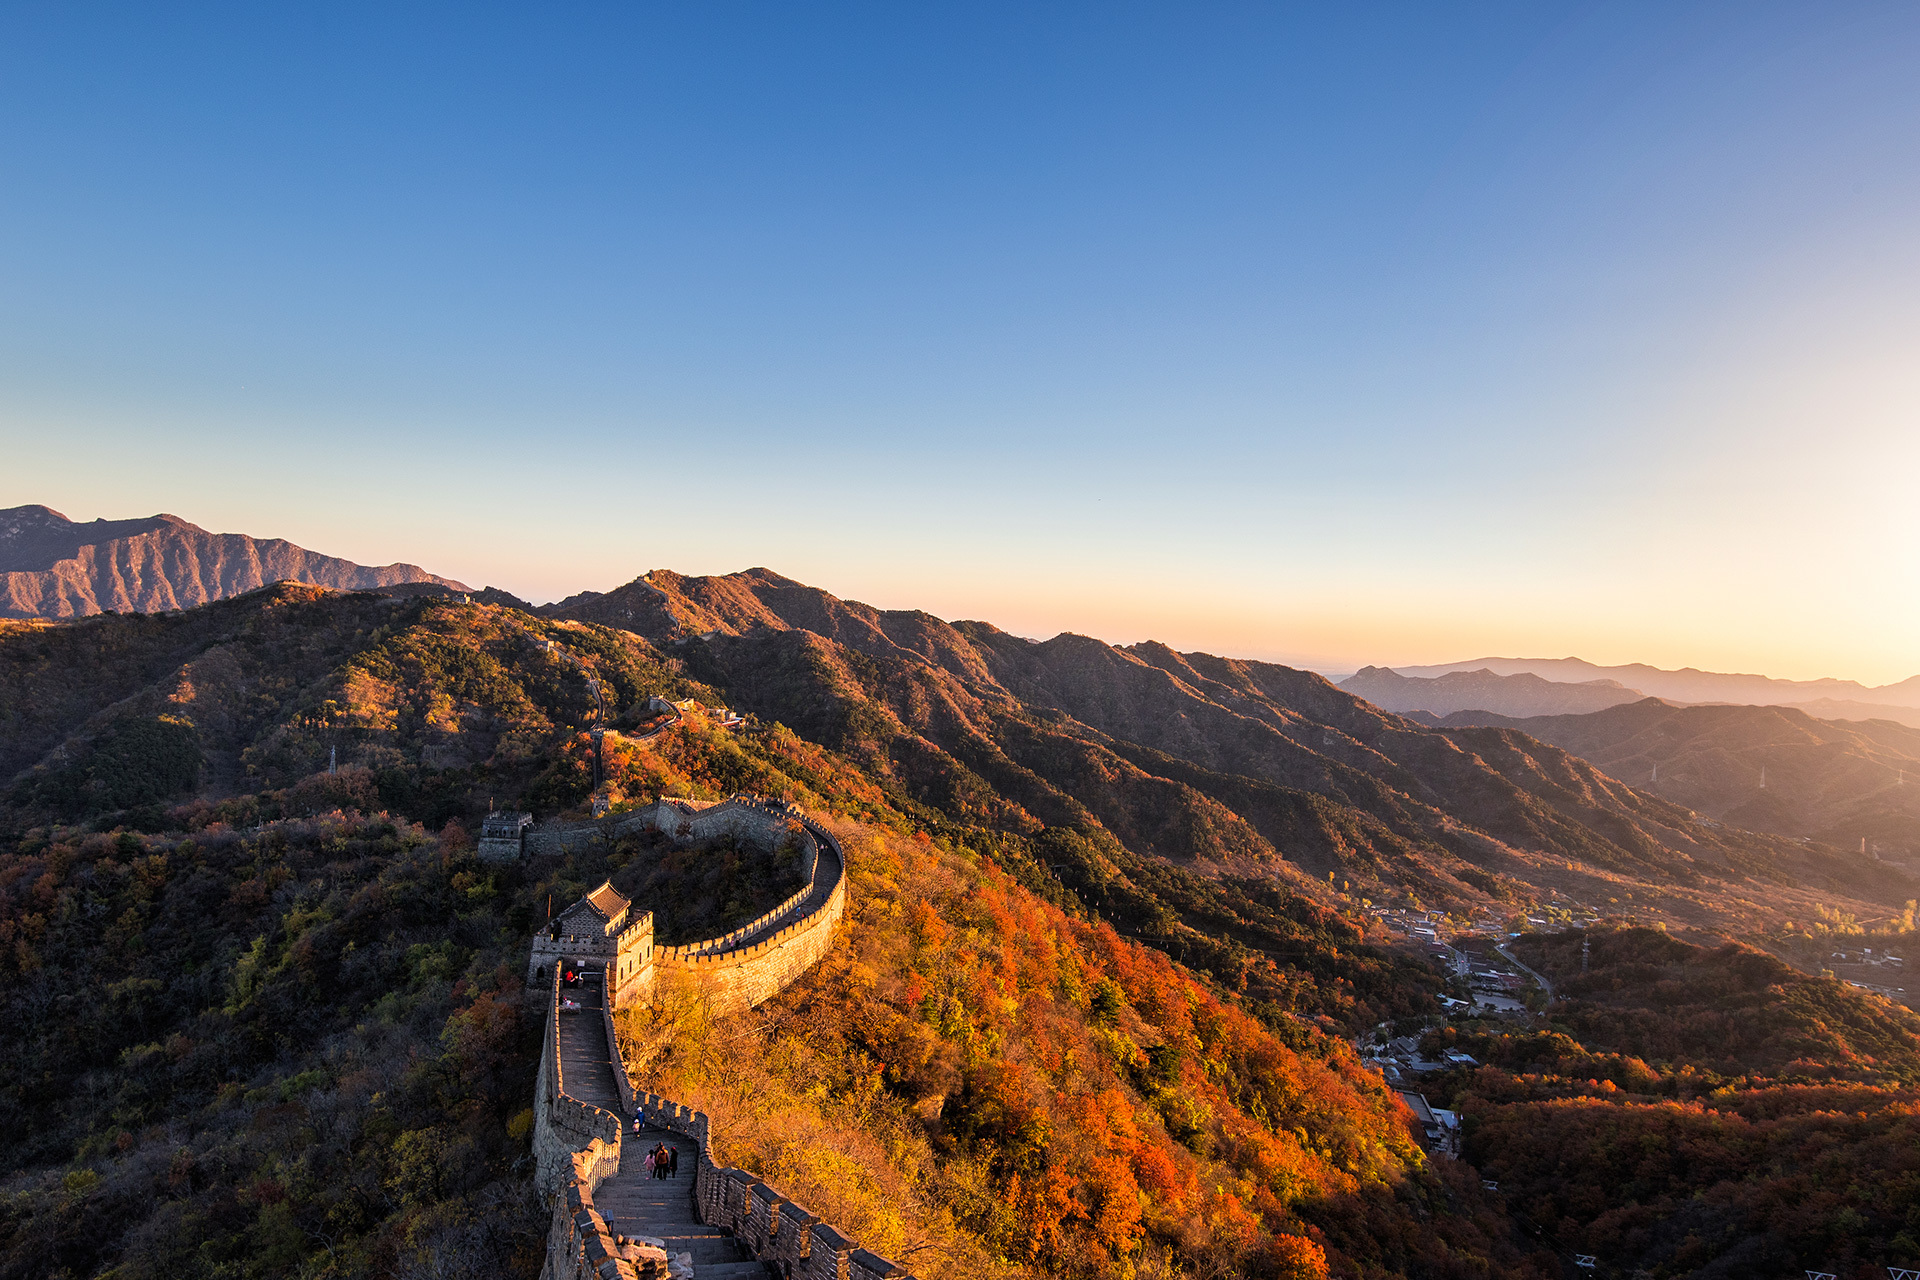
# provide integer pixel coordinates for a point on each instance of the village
(1483, 981)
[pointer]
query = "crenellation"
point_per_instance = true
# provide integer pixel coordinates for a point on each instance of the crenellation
(792, 1238)
(827, 1255)
(864, 1264)
(760, 1218)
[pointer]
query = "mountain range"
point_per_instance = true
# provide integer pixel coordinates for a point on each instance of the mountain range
(1169, 786)
(1482, 690)
(53, 567)
(1227, 769)
(1431, 698)
(1689, 684)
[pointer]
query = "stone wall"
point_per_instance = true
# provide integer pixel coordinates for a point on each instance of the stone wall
(580, 1246)
(748, 965)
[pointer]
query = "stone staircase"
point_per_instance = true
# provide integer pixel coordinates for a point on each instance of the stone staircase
(638, 1206)
(586, 1060)
(632, 1203)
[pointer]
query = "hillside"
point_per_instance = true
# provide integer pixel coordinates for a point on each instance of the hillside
(1094, 946)
(1837, 783)
(1696, 1111)
(1147, 780)
(52, 567)
(993, 1086)
(1515, 695)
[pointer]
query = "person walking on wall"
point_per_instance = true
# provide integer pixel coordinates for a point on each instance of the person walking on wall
(650, 1157)
(673, 1162)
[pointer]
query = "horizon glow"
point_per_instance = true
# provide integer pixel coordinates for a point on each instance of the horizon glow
(1333, 338)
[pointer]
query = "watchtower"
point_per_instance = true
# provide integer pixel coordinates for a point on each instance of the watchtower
(503, 835)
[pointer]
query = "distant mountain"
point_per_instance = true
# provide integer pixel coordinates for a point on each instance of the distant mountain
(1689, 684)
(1837, 709)
(53, 567)
(1518, 695)
(1838, 783)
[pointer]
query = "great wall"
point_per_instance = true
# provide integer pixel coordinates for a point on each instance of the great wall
(611, 1219)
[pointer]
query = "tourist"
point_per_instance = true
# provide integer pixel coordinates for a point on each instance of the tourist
(673, 1162)
(650, 1157)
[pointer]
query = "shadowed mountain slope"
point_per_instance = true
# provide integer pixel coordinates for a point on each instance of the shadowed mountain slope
(1835, 782)
(52, 567)
(1515, 695)
(436, 703)
(1690, 684)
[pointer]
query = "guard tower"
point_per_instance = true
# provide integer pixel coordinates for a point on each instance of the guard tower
(504, 835)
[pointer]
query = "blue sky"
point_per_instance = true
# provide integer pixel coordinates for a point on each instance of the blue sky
(1334, 334)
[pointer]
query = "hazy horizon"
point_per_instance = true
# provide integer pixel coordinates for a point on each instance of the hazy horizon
(1329, 337)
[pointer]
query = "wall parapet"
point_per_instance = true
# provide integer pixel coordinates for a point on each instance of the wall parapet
(742, 967)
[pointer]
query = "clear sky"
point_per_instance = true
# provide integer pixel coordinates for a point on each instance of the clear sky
(1332, 334)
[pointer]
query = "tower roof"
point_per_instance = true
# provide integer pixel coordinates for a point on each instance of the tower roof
(608, 901)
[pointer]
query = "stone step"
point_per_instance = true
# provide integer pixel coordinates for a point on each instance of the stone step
(704, 1251)
(730, 1271)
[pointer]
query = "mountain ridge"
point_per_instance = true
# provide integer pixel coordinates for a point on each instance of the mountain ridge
(53, 567)
(1687, 684)
(1770, 768)
(1249, 762)
(1524, 694)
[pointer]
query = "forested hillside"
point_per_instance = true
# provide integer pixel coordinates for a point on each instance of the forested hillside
(1689, 1111)
(1772, 769)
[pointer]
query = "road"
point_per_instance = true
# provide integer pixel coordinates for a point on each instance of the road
(1544, 984)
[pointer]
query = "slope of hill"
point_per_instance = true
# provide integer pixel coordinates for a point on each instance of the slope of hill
(438, 703)
(1689, 684)
(51, 567)
(1839, 783)
(437, 709)
(1482, 690)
